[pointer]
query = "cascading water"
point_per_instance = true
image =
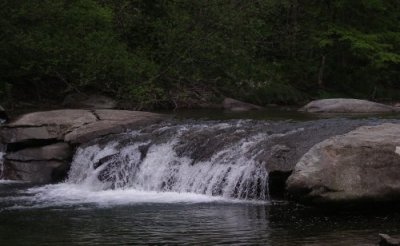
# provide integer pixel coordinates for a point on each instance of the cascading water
(190, 162)
(220, 159)
(220, 162)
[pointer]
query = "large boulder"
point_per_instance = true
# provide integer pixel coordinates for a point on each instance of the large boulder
(346, 105)
(57, 151)
(3, 115)
(362, 165)
(44, 164)
(236, 105)
(73, 125)
(39, 145)
(36, 171)
(111, 122)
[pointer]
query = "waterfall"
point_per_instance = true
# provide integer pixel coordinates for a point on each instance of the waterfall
(185, 161)
(210, 159)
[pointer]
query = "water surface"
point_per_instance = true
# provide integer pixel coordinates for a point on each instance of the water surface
(86, 210)
(60, 215)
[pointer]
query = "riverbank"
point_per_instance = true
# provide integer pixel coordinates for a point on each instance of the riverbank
(232, 167)
(42, 145)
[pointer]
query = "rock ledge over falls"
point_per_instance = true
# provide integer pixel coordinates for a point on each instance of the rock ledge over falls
(360, 167)
(39, 145)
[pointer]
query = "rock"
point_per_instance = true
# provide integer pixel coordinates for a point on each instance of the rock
(89, 101)
(362, 165)
(64, 118)
(33, 155)
(120, 115)
(29, 134)
(386, 240)
(73, 125)
(36, 171)
(3, 115)
(111, 122)
(236, 105)
(47, 125)
(345, 105)
(58, 151)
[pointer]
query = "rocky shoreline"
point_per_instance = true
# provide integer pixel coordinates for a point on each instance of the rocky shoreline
(40, 145)
(355, 165)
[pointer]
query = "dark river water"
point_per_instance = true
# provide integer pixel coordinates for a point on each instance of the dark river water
(35, 216)
(80, 214)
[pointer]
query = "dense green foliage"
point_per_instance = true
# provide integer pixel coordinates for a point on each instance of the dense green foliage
(178, 53)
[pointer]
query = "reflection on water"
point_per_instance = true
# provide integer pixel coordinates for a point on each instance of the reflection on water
(204, 222)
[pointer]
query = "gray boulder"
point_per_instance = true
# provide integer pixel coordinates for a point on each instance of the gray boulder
(111, 122)
(39, 144)
(346, 105)
(13, 135)
(236, 105)
(58, 151)
(362, 165)
(73, 125)
(3, 115)
(36, 171)
(39, 164)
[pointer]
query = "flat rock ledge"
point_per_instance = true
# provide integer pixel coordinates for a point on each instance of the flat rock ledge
(347, 105)
(40, 145)
(361, 167)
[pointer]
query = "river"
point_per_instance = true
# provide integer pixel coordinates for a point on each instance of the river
(166, 185)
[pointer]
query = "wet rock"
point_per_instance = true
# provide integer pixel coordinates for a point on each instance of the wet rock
(360, 166)
(36, 171)
(386, 240)
(58, 151)
(74, 126)
(346, 105)
(236, 105)
(89, 101)
(111, 122)
(64, 118)
(38, 144)
(28, 134)
(3, 115)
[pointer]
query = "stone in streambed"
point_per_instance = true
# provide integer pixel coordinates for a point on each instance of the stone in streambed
(111, 122)
(3, 115)
(359, 167)
(58, 151)
(347, 105)
(236, 105)
(74, 126)
(32, 152)
(36, 171)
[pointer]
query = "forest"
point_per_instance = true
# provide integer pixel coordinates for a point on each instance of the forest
(177, 53)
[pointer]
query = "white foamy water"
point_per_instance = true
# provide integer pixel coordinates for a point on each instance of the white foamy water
(62, 195)
(229, 173)
(163, 166)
